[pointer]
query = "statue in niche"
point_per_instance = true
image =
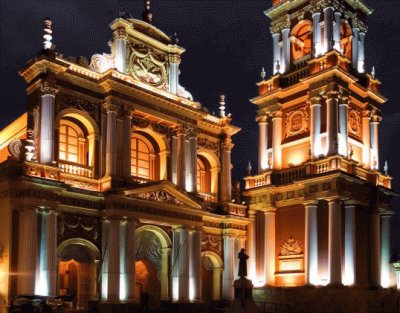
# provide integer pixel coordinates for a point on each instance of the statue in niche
(242, 263)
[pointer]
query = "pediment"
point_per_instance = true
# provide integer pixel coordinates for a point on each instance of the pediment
(163, 192)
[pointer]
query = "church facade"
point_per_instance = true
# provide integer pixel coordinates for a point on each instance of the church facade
(115, 182)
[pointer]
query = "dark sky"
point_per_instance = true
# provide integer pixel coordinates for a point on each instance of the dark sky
(227, 43)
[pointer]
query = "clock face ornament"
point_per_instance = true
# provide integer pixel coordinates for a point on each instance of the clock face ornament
(147, 68)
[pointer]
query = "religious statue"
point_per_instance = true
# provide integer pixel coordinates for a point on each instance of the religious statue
(242, 263)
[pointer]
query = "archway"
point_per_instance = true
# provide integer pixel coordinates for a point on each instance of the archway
(152, 249)
(211, 276)
(77, 271)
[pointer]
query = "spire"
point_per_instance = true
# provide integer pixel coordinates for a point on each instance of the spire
(47, 44)
(147, 15)
(222, 106)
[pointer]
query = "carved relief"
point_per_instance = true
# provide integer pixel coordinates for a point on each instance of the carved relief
(67, 101)
(15, 148)
(102, 62)
(354, 122)
(296, 122)
(207, 144)
(72, 226)
(211, 242)
(291, 247)
(159, 196)
(140, 122)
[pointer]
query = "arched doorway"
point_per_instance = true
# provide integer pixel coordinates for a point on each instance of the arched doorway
(211, 276)
(77, 271)
(152, 250)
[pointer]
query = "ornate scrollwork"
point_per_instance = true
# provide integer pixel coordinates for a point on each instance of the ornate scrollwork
(70, 226)
(110, 106)
(46, 89)
(140, 122)
(296, 122)
(160, 128)
(354, 122)
(78, 103)
(291, 247)
(101, 62)
(159, 196)
(15, 149)
(207, 144)
(211, 242)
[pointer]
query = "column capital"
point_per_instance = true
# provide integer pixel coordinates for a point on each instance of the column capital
(366, 114)
(120, 33)
(350, 203)
(192, 132)
(314, 101)
(227, 144)
(270, 211)
(110, 106)
(252, 213)
(47, 89)
(311, 203)
(277, 115)
(375, 119)
(174, 58)
(262, 119)
(333, 199)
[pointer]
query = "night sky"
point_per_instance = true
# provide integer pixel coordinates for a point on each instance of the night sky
(227, 43)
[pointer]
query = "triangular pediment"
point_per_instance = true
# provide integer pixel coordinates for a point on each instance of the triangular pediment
(163, 192)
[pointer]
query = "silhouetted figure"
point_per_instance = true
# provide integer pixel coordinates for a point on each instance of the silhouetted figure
(242, 263)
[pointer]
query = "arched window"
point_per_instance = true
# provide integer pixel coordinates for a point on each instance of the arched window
(72, 143)
(203, 175)
(143, 157)
(301, 40)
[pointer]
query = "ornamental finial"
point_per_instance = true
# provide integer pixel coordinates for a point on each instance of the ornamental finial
(249, 168)
(386, 168)
(47, 44)
(263, 73)
(222, 106)
(147, 15)
(373, 72)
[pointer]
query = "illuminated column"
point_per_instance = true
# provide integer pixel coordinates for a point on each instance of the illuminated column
(113, 260)
(216, 294)
(176, 248)
(191, 177)
(251, 246)
(183, 267)
(328, 29)
(228, 275)
(361, 54)
(269, 247)
(343, 139)
(354, 45)
(47, 122)
(127, 144)
(226, 181)
(128, 259)
(366, 139)
(385, 250)
(375, 254)
(174, 158)
(27, 248)
(334, 242)
(286, 50)
(120, 40)
(174, 61)
(276, 52)
(277, 140)
(336, 31)
(374, 142)
(311, 243)
(332, 121)
(315, 131)
(51, 252)
(164, 274)
(104, 248)
(317, 34)
(111, 139)
(180, 158)
(263, 144)
(349, 243)
(195, 266)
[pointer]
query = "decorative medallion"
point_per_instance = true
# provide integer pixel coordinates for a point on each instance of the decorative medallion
(354, 122)
(15, 149)
(291, 247)
(296, 122)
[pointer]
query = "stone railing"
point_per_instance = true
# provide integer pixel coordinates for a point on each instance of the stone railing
(75, 168)
(207, 197)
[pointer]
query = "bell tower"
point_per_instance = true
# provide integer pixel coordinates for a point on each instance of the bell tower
(318, 177)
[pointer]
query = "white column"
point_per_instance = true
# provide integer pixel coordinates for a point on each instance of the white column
(311, 243)
(191, 177)
(286, 50)
(332, 122)
(366, 139)
(269, 247)
(164, 274)
(174, 159)
(328, 29)
(374, 142)
(47, 123)
(228, 275)
(128, 260)
(277, 140)
(349, 244)
(27, 249)
(361, 54)
(216, 294)
(183, 268)
(276, 52)
(336, 31)
(226, 180)
(251, 246)
(120, 39)
(343, 139)
(317, 34)
(113, 260)
(315, 127)
(195, 266)
(173, 73)
(105, 252)
(385, 251)
(127, 144)
(334, 242)
(111, 139)
(263, 144)
(176, 251)
(180, 157)
(354, 47)
(51, 255)
(375, 254)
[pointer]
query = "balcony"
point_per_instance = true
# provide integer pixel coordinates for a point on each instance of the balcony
(75, 169)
